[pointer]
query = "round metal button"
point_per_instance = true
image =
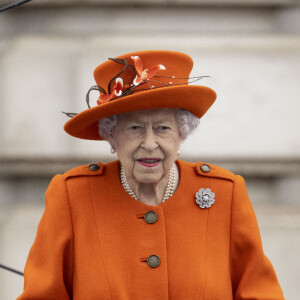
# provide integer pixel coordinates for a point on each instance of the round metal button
(94, 167)
(153, 261)
(205, 168)
(150, 217)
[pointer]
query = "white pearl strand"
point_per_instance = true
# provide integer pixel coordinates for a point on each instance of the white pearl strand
(169, 190)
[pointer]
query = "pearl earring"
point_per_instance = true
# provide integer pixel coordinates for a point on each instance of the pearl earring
(178, 152)
(112, 150)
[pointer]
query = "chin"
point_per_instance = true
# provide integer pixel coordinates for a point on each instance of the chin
(148, 178)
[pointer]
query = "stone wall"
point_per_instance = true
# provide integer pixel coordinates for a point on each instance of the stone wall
(251, 50)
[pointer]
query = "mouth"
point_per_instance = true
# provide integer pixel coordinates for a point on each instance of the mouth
(149, 162)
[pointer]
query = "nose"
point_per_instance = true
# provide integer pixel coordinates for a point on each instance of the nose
(149, 143)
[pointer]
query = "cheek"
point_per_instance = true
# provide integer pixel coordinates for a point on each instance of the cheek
(170, 146)
(125, 157)
(126, 150)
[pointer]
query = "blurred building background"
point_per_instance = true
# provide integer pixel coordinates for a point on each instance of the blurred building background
(251, 50)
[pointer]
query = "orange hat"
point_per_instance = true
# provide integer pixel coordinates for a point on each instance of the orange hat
(138, 81)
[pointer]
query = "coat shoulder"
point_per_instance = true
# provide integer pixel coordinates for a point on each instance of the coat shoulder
(210, 170)
(94, 169)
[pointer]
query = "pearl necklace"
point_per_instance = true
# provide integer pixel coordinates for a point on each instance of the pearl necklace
(169, 190)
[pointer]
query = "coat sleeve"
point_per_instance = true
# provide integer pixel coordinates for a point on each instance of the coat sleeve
(49, 268)
(253, 276)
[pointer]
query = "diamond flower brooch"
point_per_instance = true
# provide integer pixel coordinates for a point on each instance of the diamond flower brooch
(205, 198)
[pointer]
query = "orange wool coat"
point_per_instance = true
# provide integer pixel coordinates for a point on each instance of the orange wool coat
(93, 242)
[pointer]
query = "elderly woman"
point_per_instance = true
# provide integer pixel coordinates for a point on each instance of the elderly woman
(147, 226)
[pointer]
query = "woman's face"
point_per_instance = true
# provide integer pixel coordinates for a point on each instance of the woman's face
(146, 143)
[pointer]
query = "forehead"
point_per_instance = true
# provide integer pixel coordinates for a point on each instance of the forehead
(154, 115)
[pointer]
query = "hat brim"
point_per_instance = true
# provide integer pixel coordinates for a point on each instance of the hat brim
(196, 99)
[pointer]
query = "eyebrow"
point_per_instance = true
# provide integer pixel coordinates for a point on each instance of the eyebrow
(163, 120)
(141, 120)
(158, 121)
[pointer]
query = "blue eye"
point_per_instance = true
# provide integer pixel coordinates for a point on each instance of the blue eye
(135, 127)
(164, 128)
